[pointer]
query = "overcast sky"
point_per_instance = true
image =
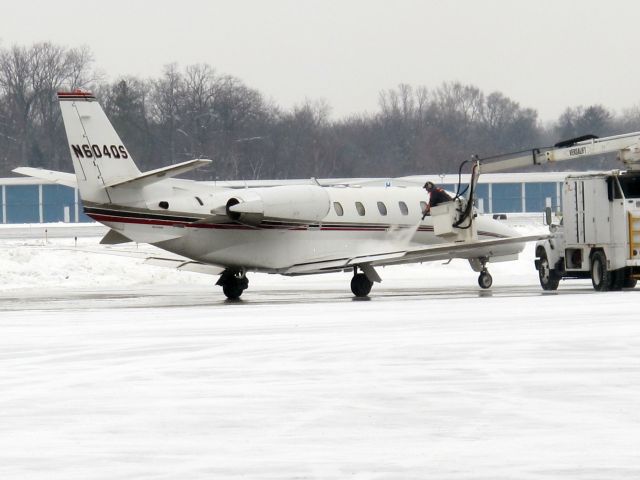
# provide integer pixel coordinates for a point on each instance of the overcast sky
(544, 54)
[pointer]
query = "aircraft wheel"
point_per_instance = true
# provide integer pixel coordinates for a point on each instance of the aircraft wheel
(549, 279)
(361, 285)
(485, 280)
(232, 290)
(600, 276)
(233, 285)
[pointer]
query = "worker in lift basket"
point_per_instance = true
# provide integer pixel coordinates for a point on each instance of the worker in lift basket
(436, 197)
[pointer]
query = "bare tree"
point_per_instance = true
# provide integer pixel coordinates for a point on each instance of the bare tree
(29, 78)
(166, 110)
(578, 121)
(126, 103)
(594, 119)
(196, 112)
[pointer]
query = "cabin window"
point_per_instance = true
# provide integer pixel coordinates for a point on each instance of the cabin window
(382, 208)
(338, 208)
(199, 201)
(360, 209)
(423, 207)
(164, 205)
(404, 210)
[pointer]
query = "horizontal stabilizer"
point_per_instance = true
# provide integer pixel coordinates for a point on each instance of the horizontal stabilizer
(61, 178)
(114, 238)
(153, 176)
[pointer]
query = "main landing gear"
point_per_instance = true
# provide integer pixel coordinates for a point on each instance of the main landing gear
(360, 283)
(233, 283)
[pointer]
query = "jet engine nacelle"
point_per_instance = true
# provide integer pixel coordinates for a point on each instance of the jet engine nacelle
(297, 203)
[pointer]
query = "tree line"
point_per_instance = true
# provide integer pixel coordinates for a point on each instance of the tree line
(196, 112)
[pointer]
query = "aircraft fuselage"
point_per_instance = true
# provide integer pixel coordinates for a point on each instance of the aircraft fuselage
(358, 221)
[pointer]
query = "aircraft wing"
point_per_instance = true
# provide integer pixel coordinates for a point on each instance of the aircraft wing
(336, 264)
(464, 249)
(413, 254)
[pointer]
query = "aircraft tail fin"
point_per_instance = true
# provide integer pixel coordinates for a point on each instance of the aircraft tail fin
(99, 157)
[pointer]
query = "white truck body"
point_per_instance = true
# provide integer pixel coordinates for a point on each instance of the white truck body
(599, 235)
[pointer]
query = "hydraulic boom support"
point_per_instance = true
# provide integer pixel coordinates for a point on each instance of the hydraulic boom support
(627, 145)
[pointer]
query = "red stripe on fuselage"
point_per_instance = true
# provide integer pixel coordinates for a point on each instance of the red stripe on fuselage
(169, 223)
(226, 226)
(237, 226)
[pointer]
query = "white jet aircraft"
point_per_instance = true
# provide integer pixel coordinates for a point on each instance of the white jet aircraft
(288, 229)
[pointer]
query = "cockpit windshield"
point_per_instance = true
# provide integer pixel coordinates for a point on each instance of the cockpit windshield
(630, 185)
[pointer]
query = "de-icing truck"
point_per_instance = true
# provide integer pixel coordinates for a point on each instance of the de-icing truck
(599, 234)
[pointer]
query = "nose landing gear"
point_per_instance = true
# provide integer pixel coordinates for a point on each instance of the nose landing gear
(480, 265)
(485, 280)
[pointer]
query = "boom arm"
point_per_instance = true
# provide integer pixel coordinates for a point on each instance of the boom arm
(627, 145)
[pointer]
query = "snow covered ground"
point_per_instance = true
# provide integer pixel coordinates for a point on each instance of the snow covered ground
(112, 369)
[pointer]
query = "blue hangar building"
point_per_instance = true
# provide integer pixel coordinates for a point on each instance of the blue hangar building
(29, 200)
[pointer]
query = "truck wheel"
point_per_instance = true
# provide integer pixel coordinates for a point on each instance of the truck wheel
(629, 281)
(616, 279)
(549, 279)
(600, 276)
